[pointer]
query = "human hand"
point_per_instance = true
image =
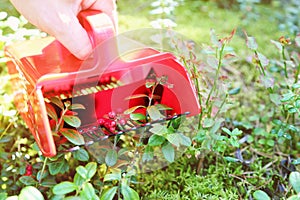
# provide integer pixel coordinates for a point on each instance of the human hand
(59, 19)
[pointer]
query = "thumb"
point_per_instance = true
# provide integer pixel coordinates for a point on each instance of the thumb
(75, 39)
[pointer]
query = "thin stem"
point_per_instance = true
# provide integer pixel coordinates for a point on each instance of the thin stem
(216, 76)
(259, 63)
(43, 169)
(297, 74)
(284, 62)
(219, 110)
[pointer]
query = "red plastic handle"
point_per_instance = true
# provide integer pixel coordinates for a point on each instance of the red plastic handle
(98, 25)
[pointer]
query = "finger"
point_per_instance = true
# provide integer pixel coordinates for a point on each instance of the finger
(109, 7)
(74, 37)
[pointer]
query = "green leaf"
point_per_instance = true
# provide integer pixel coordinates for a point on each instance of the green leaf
(136, 96)
(234, 91)
(132, 109)
(275, 98)
(174, 139)
(3, 196)
(27, 180)
(81, 155)
(72, 120)
(76, 106)
(261, 195)
(158, 129)
(51, 112)
(162, 107)
(30, 192)
(91, 169)
(168, 152)
(57, 102)
(88, 191)
(294, 197)
(236, 132)
(287, 97)
(270, 142)
(78, 180)
(56, 167)
(226, 130)
(208, 122)
(156, 140)
(129, 193)
(185, 141)
(150, 84)
(154, 113)
(109, 194)
(73, 136)
(82, 171)
(112, 177)
(231, 159)
(251, 43)
(111, 157)
(15, 197)
(263, 59)
(294, 180)
(148, 155)
(64, 188)
(137, 116)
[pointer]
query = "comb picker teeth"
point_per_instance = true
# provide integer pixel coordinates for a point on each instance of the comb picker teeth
(89, 90)
(98, 88)
(109, 86)
(104, 87)
(63, 96)
(93, 89)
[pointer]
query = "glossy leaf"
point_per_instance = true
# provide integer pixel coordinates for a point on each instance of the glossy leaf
(64, 188)
(294, 180)
(109, 194)
(129, 193)
(112, 177)
(81, 155)
(30, 192)
(261, 195)
(27, 180)
(111, 157)
(168, 152)
(51, 112)
(82, 171)
(88, 192)
(73, 136)
(76, 106)
(174, 139)
(91, 169)
(57, 102)
(72, 120)
(154, 113)
(156, 140)
(137, 116)
(132, 109)
(136, 96)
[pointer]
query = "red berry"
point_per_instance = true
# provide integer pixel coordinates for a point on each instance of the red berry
(112, 115)
(122, 122)
(101, 121)
(107, 124)
(112, 129)
(112, 124)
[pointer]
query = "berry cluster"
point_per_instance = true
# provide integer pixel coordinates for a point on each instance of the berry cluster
(111, 123)
(28, 171)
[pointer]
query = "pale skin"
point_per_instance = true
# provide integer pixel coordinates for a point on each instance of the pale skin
(58, 18)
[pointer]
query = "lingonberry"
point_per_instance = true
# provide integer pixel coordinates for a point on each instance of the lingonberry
(101, 121)
(112, 115)
(122, 122)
